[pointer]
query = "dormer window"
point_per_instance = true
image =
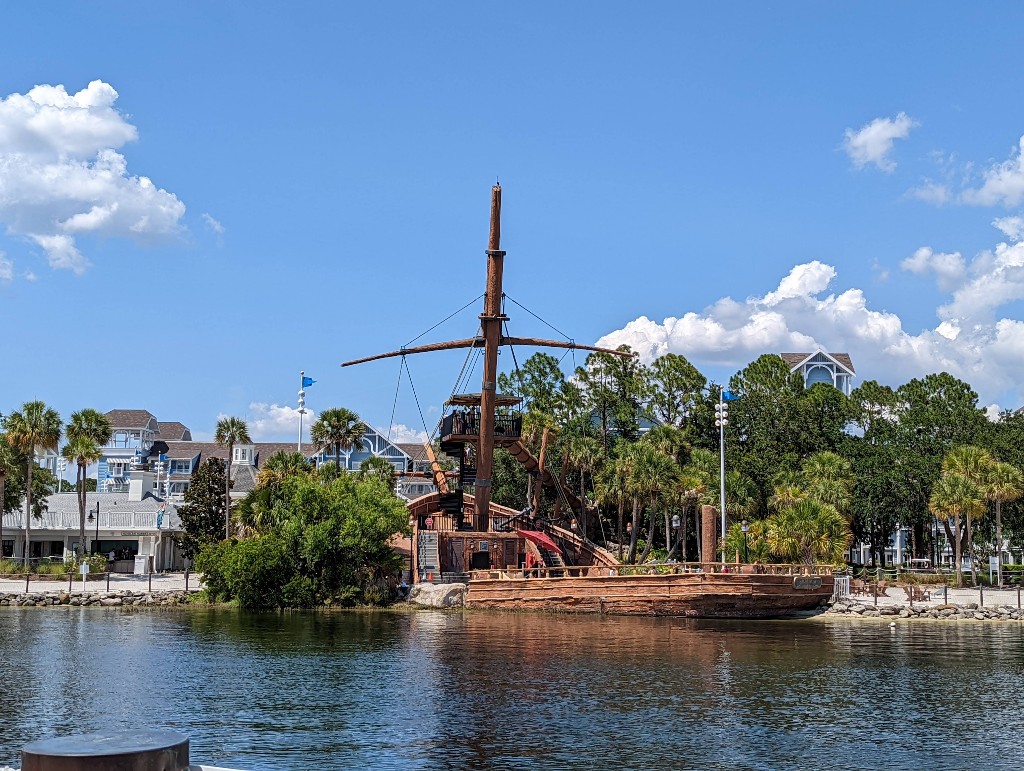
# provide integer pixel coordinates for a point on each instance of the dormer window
(243, 455)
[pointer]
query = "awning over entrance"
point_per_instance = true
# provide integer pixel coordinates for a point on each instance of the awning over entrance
(541, 539)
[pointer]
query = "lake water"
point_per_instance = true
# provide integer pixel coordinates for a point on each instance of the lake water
(429, 690)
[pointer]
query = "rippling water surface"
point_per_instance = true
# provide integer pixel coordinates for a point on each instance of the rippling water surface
(431, 690)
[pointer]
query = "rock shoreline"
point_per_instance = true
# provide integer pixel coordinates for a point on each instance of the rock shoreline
(116, 599)
(969, 611)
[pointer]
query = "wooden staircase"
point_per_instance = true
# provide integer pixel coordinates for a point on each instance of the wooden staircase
(427, 556)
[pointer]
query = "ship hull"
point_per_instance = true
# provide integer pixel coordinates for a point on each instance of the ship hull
(693, 595)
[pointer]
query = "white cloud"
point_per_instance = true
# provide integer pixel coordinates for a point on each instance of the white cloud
(992, 412)
(873, 142)
(1011, 227)
(6, 268)
(949, 269)
(803, 313)
(61, 175)
(273, 422)
(1003, 182)
(931, 192)
(213, 224)
(401, 433)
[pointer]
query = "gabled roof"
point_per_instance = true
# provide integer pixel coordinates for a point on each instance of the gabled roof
(189, 450)
(174, 432)
(794, 360)
(67, 503)
(416, 452)
(132, 419)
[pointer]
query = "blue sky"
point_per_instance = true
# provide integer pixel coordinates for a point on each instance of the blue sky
(251, 189)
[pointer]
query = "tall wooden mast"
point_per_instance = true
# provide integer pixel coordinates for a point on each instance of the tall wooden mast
(491, 340)
(490, 321)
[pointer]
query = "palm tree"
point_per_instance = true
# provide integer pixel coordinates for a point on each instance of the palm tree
(1004, 483)
(652, 474)
(973, 463)
(33, 428)
(8, 466)
(87, 432)
(585, 453)
(808, 530)
(611, 488)
(828, 478)
(230, 431)
(376, 467)
(339, 429)
(952, 495)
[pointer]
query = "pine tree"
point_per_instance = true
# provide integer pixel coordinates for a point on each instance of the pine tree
(202, 515)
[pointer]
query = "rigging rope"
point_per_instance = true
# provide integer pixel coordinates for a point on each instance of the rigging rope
(430, 434)
(394, 404)
(540, 319)
(442, 321)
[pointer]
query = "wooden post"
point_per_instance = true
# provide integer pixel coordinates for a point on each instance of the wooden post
(708, 533)
(490, 320)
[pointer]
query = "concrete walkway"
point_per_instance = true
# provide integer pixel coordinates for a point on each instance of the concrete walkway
(162, 582)
(993, 597)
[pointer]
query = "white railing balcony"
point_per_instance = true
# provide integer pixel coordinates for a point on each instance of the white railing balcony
(108, 520)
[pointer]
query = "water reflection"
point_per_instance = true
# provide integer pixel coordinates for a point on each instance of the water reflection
(480, 690)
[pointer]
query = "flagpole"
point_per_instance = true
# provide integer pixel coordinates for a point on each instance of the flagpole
(302, 406)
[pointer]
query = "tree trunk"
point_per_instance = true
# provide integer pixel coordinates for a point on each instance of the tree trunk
(28, 507)
(622, 525)
(80, 487)
(650, 534)
(668, 533)
(999, 540)
(970, 550)
(957, 546)
(3, 491)
(636, 531)
(583, 505)
(227, 492)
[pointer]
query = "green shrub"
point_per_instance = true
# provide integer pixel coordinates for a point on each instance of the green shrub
(50, 569)
(9, 567)
(97, 563)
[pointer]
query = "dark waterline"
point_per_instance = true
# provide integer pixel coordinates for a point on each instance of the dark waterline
(430, 690)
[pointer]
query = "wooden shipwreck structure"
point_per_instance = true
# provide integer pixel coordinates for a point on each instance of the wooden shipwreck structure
(513, 560)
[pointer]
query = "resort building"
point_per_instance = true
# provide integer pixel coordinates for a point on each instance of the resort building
(836, 369)
(125, 525)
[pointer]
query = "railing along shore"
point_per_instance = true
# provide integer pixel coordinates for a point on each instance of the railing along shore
(653, 569)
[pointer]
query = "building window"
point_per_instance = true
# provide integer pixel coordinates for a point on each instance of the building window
(181, 466)
(8, 548)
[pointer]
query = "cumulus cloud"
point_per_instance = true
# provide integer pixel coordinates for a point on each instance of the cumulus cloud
(403, 434)
(1003, 183)
(804, 312)
(272, 422)
(948, 269)
(62, 177)
(1011, 227)
(873, 142)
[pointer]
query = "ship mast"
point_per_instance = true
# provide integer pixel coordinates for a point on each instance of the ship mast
(490, 322)
(490, 340)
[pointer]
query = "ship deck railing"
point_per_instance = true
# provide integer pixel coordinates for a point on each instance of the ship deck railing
(653, 569)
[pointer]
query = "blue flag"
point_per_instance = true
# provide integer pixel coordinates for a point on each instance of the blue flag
(729, 396)
(307, 382)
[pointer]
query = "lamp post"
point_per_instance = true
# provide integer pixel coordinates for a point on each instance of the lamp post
(675, 529)
(744, 526)
(721, 421)
(90, 520)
